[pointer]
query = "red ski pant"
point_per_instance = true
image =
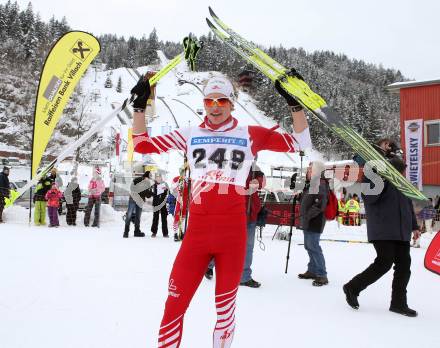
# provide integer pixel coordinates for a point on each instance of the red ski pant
(222, 237)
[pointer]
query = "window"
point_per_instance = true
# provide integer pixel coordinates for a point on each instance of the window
(432, 132)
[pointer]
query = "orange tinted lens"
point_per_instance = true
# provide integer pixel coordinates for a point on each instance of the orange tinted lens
(222, 101)
(209, 102)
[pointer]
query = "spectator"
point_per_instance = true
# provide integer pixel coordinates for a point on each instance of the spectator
(54, 177)
(96, 188)
(390, 220)
(313, 202)
(353, 208)
(139, 190)
(53, 197)
(72, 195)
(171, 204)
(4, 189)
(424, 219)
(160, 192)
(43, 186)
(341, 212)
(180, 189)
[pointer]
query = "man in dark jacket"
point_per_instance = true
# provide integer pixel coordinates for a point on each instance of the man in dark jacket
(4, 189)
(139, 190)
(160, 193)
(390, 221)
(313, 202)
(72, 195)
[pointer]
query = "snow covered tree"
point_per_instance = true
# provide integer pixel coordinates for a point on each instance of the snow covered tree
(119, 86)
(153, 46)
(108, 82)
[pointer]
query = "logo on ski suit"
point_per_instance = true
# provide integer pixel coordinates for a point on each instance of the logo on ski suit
(172, 289)
(226, 335)
(217, 175)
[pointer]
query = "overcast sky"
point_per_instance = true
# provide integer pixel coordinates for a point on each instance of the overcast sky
(401, 34)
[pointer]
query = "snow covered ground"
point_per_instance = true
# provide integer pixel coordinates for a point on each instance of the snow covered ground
(89, 288)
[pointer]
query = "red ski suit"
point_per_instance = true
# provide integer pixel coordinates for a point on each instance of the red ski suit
(217, 227)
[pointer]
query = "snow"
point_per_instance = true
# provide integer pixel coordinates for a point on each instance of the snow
(6, 147)
(88, 287)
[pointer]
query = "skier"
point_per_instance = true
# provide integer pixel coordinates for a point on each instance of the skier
(220, 154)
(255, 181)
(4, 189)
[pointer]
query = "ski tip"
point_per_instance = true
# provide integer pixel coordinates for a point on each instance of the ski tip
(211, 12)
(212, 26)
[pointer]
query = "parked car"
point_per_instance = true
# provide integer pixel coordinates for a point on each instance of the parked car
(13, 161)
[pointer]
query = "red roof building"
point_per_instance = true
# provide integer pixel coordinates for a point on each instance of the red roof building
(421, 100)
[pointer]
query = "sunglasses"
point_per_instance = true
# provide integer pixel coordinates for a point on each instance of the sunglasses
(210, 102)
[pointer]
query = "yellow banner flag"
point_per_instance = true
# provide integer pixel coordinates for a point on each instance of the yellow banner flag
(130, 146)
(64, 66)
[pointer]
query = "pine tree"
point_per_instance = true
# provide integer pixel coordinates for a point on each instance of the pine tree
(108, 82)
(130, 59)
(153, 46)
(119, 86)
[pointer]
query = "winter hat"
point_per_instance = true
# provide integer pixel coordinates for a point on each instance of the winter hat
(317, 168)
(219, 85)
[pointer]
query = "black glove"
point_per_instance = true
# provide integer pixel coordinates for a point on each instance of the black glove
(291, 101)
(142, 91)
(294, 73)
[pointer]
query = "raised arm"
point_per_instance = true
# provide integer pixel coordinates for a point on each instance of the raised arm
(301, 131)
(142, 91)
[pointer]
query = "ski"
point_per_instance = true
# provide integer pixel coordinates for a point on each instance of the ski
(313, 102)
(14, 195)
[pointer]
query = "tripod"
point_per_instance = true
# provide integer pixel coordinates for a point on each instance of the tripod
(292, 211)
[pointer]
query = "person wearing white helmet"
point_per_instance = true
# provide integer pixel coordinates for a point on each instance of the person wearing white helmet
(220, 153)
